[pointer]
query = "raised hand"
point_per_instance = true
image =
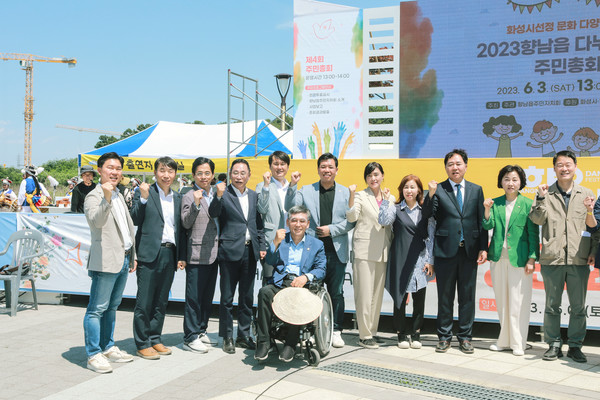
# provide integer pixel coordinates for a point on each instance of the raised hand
(588, 202)
(144, 190)
(543, 190)
(349, 141)
(302, 148)
(295, 178)
(197, 197)
(432, 187)
(267, 178)
(318, 135)
(352, 188)
(339, 134)
(279, 236)
(107, 189)
(488, 203)
(221, 189)
(386, 194)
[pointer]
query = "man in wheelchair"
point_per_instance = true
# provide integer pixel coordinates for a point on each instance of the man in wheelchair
(298, 259)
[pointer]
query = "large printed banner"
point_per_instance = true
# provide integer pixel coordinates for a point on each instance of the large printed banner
(498, 78)
(63, 269)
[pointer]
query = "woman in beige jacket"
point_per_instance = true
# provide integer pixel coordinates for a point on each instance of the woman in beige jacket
(370, 245)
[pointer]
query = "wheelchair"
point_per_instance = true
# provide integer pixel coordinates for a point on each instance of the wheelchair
(315, 337)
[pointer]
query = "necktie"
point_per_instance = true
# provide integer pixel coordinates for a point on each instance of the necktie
(459, 200)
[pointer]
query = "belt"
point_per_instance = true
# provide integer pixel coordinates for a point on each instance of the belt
(128, 252)
(461, 244)
(167, 245)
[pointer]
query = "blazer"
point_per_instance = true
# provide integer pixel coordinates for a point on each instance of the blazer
(107, 251)
(340, 226)
(150, 222)
(233, 225)
(522, 237)
(313, 258)
(370, 240)
(564, 229)
(451, 221)
(201, 229)
(271, 209)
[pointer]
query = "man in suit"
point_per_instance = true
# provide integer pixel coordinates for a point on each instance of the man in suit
(564, 210)
(241, 245)
(297, 259)
(202, 250)
(111, 255)
(271, 198)
(460, 244)
(161, 248)
(327, 202)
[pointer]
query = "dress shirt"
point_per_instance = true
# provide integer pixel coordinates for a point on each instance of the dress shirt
(414, 213)
(243, 198)
(295, 258)
(119, 208)
(326, 199)
(168, 210)
(281, 191)
(462, 188)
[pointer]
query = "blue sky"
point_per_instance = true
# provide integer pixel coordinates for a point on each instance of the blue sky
(137, 62)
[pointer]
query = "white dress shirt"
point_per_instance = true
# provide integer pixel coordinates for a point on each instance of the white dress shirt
(119, 208)
(168, 210)
(243, 198)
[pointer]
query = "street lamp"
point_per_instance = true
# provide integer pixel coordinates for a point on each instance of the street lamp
(283, 86)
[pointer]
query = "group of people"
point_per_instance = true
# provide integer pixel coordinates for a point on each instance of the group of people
(300, 235)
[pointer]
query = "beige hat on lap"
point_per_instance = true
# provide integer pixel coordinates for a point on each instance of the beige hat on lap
(297, 306)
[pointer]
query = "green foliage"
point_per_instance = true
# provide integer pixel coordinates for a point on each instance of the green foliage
(61, 170)
(277, 122)
(105, 140)
(196, 122)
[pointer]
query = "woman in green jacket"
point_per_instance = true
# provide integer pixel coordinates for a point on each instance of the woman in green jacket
(512, 254)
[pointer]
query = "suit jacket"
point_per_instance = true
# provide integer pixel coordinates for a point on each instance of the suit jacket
(271, 209)
(340, 226)
(313, 258)
(370, 240)
(233, 225)
(523, 236)
(201, 229)
(451, 221)
(150, 222)
(107, 251)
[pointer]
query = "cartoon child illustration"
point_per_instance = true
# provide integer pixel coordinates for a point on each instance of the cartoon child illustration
(503, 126)
(584, 139)
(543, 133)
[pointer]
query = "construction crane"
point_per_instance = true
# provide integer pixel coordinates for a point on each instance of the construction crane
(26, 61)
(77, 128)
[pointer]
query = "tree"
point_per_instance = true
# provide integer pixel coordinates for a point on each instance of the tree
(105, 140)
(196, 122)
(277, 122)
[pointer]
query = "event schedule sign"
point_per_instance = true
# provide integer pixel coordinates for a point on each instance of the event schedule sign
(498, 78)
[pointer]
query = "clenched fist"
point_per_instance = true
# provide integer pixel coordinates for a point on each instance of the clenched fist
(295, 178)
(197, 197)
(488, 203)
(267, 178)
(279, 236)
(432, 187)
(221, 189)
(543, 190)
(144, 190)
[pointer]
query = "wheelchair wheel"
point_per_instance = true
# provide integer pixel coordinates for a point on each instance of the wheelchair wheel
(324, 325)
(313, 357)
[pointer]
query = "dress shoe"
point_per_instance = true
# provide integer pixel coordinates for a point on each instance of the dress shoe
(466, 347)
(228, 345)
(245, 342)
(552, 353)
(442, 346)
(262, 351)
(162, 349)
(148, 353)
(576, 355)
(287, 354)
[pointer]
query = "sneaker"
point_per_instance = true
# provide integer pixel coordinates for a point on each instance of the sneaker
(205, 339)
(495, 347)
(195, 346)
(403, 342)
(116, 355)
(336, 340)
(99, 363)
(518, 352)
(415, 344)
(370, 343)
(576, 355)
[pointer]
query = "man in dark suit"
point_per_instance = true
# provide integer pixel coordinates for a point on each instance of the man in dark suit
(297, 259)
(241, 245)
(202, 249)
(460, 244)
(160, 248)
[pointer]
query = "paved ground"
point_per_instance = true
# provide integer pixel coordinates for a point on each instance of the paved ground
(42, 356)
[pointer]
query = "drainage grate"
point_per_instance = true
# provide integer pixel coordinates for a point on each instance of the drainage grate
(425, 383)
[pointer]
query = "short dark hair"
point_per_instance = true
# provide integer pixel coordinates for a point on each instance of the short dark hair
(203, 160)
(280, 155)
(325, 157)
(299, 209)
(166, 161)
(372, 166)
(109, 156)
(512, 168)
(460, 152)
(565, 153)
(240, 161)
(222, 177)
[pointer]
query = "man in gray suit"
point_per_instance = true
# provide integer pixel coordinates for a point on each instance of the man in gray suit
(161, 248)
(202, 251)
(327, 202)
(271, 198)
(111, 256)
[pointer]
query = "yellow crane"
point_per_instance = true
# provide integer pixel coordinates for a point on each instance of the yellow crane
(26, 61)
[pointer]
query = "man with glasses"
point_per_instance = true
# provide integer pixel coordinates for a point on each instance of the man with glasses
(241, 245)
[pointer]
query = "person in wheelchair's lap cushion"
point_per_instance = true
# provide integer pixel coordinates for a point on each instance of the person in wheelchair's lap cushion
(297, 259)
